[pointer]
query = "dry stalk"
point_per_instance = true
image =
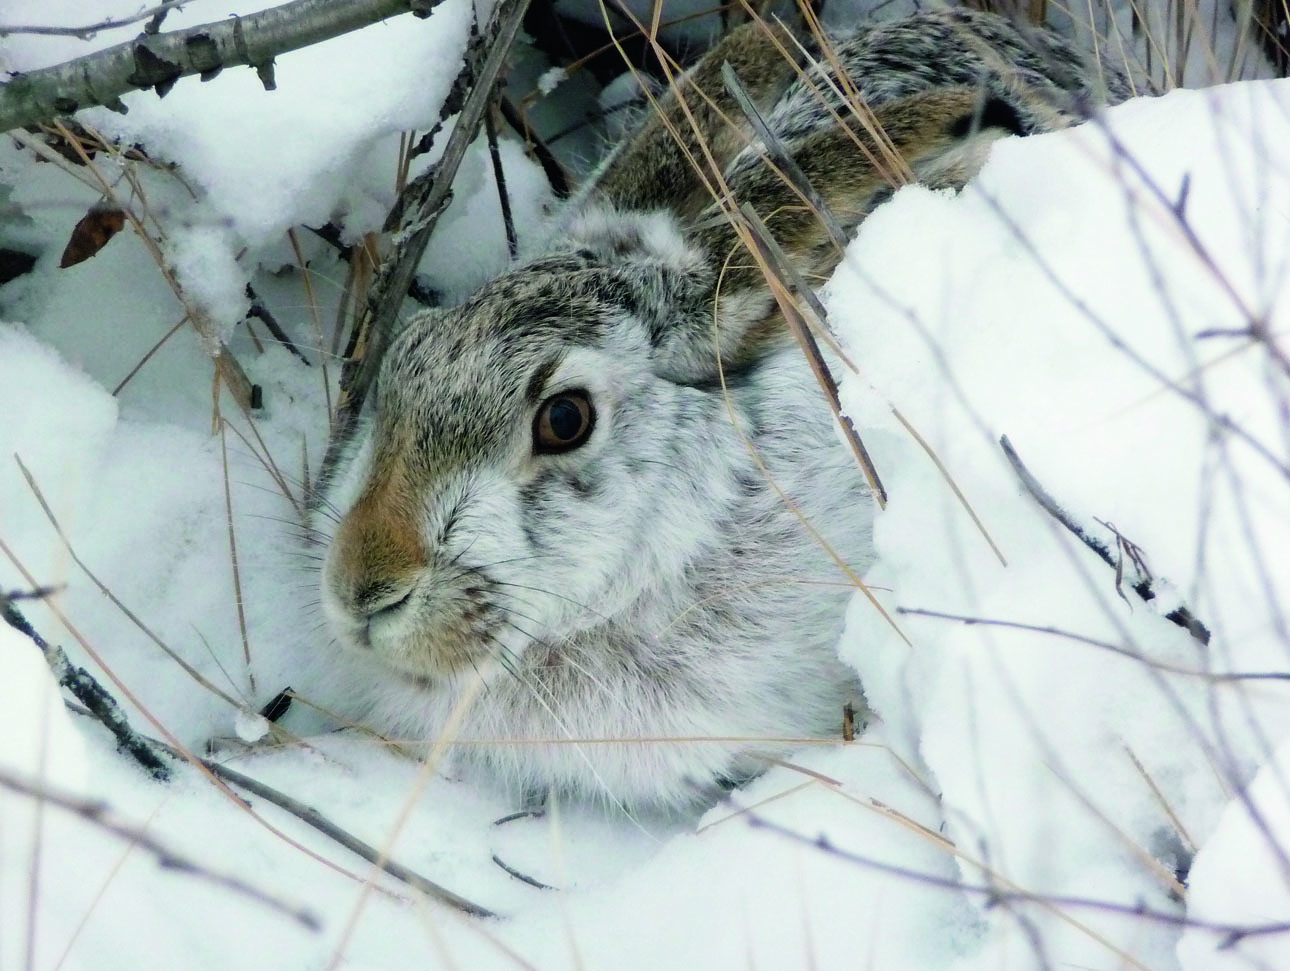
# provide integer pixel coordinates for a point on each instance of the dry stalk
(314, 317)
(226, 366)
(232, 555)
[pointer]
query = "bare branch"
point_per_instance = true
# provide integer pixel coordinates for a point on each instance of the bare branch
(318, 821)
(90, 693)
(157, 61)
(98, 814)
(1230, 934)
(1141, 581)
(416, 214)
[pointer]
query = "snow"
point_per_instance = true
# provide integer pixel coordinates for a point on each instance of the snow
(1059, 300)
(1241, 873)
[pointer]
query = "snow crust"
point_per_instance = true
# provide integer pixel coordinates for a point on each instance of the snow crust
(1060, 300)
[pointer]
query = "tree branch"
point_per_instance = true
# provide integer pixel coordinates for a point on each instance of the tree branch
(413, 219)
(98, 814)
(157, 61)
(90, 693)
(1141, 579)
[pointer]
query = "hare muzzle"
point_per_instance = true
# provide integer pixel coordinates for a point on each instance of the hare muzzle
(387, 592)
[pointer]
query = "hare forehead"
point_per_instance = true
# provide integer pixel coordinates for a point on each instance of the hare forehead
(458, 382)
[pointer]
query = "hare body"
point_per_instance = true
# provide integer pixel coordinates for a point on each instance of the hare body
(592, 524)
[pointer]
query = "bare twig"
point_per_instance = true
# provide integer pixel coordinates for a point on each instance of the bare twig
(318, 821)
(1142, 583)
(1218, 676)
(1230, 934)
(265, 316)
(88, 31)
(91, 694)
(422, 204)
(499, 177)
(98, 814)
(555, 172)
(157, 61)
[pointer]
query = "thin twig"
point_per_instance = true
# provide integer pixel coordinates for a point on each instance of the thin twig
(311, 816)
(781, 157)
(1231, 934)
(262, 313)
(98, 814)
(1142, 585)
(89, 30)
(499, 177)
(1217, 676)
(90, 693)
(555, 173)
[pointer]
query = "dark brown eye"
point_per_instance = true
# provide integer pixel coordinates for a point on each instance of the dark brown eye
(563, 422)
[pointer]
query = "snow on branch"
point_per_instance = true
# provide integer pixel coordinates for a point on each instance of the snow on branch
(157, 61)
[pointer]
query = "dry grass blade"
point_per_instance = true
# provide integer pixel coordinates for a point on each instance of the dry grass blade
(226, 366)
(1189, 844)
(265, 458)
(148, 356)
(191, 671)
(314, 318)
(776, 264)
(232, 554)
(949, 480)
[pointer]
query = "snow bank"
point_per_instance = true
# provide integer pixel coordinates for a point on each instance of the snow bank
(1060, 302)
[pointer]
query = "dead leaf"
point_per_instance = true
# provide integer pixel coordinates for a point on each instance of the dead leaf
(92, 233)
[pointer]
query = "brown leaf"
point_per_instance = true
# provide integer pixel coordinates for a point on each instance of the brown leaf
(92, 233)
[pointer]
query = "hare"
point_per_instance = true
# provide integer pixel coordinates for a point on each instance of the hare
(592, 523)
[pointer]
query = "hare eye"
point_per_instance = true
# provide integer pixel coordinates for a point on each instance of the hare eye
(563, 422)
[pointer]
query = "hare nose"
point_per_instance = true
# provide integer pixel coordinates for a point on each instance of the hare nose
(375, 598)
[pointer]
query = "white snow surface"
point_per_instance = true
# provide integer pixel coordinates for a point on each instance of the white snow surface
(1090, 296)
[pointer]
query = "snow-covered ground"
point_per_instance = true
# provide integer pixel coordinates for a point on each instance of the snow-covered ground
(1109, 298)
